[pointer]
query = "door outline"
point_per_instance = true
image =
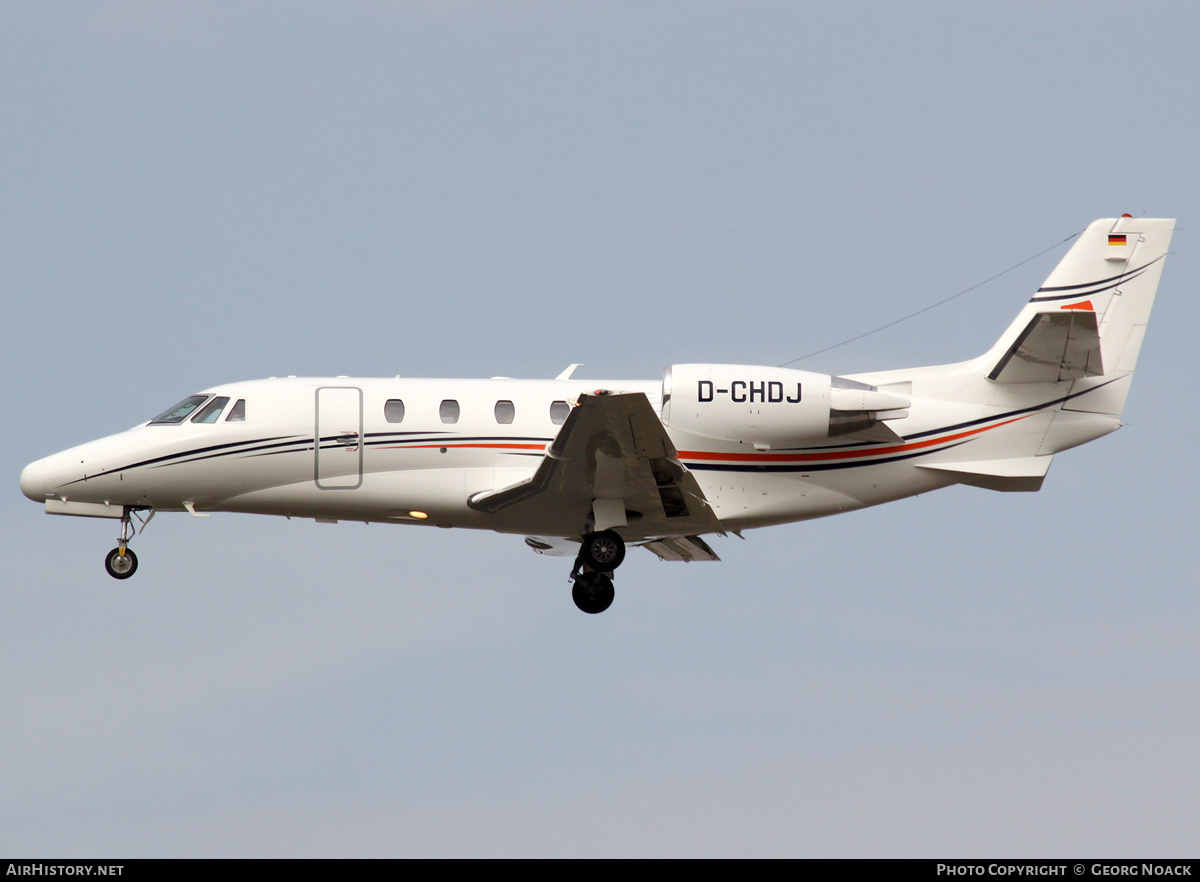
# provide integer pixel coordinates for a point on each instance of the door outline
(335, 436)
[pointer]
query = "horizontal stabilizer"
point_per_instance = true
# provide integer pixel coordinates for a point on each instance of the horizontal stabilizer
(684, 548)
(1055, 346)
(1020, 474)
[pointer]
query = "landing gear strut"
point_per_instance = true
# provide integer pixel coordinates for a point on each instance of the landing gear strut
(121, 562)
(599, 554)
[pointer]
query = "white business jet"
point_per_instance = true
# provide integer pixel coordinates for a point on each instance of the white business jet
(587, 468)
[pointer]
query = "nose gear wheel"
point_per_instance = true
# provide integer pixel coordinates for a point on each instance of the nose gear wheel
(121, 563)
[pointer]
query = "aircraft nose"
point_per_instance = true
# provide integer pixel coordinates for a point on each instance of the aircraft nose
(33, 481)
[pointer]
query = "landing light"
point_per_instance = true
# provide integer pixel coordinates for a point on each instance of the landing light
(419, 515)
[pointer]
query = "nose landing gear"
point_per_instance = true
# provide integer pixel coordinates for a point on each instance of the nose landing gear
(599, 554)
(121, 562)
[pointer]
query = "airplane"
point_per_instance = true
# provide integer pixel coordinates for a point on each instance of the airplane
(586, 469)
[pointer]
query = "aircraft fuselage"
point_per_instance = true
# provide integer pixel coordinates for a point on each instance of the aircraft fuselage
(585, 467)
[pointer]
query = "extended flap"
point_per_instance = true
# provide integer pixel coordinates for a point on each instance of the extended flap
(684, 548)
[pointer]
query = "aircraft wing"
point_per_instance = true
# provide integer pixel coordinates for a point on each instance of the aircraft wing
(612, 463)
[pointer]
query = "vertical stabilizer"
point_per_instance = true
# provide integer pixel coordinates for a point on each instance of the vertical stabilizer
(1086, 323)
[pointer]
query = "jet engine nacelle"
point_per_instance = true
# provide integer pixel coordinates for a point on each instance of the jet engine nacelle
(770, 406)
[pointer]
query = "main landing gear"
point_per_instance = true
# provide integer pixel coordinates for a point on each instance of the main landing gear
(599, 555)
(121, 562)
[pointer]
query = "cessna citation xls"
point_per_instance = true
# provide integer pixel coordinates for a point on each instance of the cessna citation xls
(586, 469)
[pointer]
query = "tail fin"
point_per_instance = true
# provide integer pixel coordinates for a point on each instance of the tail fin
(1087, 321)
(1061, 372)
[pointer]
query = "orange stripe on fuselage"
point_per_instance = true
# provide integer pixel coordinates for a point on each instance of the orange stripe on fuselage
(846, 454)
(483, 446)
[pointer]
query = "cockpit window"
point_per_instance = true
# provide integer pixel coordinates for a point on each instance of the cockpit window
(179, 412)
(211, 412)
(237, 414)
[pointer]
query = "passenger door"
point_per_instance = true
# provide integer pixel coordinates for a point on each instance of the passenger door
(338, 443)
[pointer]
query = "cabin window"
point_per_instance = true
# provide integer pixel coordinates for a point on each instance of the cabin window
(449, 411)
(393, 410)
(211, 412)
(558, 412)
(237, 413)
(505, 412)
(179, 412)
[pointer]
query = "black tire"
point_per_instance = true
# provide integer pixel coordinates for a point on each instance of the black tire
(593, 592)
(121, 567)
(603, 551)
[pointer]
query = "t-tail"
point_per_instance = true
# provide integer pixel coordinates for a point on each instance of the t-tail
(1085, 325)
(1059, 376)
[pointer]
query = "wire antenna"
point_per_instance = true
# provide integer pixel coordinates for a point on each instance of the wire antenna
(934, 305)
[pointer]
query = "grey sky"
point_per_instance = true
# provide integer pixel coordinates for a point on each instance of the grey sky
(196, 193)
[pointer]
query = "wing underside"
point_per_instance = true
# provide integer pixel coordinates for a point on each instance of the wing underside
(612, 466)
